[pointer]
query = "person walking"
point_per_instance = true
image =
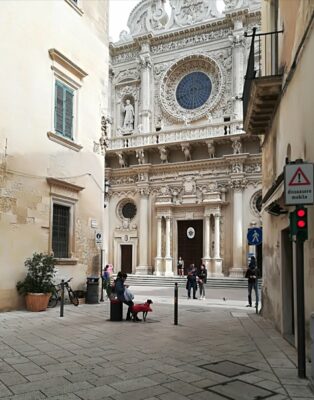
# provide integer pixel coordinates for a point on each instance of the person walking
(202, 279)
(252, 275)
(191, 281)
(180, 266)
(106, 281)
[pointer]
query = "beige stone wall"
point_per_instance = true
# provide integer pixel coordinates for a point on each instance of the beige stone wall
(291, 136)
(28, 156)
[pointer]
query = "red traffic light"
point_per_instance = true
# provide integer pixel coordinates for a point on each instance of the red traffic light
(301, 213)
(301, 224)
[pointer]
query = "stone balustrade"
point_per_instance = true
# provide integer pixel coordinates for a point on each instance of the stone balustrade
(175, 136)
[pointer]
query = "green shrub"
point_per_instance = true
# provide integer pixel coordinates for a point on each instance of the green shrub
(39, 278)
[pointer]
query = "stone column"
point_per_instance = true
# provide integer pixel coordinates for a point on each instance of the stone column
(206, 257)
(158, 259)
(143, 267)
(145, 63)
(237, 64)
(168, 258)
(218, 261)
(237, 269)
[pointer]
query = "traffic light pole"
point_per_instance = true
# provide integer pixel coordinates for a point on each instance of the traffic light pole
(300, 307)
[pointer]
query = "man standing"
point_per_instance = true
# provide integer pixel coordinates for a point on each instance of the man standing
(191, 281)
(252, 275)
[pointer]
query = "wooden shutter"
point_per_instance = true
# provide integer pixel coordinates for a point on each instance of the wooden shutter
(59, 108)
(68, 115)
(64, 110)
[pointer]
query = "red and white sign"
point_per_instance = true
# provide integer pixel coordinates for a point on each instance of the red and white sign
(299, 184)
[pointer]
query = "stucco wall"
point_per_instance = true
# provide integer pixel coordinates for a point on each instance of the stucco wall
(27, 113)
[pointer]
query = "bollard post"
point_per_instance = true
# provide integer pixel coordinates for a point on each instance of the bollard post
(176, 303)
(62, 298)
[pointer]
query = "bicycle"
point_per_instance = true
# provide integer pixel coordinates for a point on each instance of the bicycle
(56, 296)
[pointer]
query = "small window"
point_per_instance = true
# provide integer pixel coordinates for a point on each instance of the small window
(60, 231)
(64, 110)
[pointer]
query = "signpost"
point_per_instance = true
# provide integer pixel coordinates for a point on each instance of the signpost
(98, 240)
(254, 236)
(298, 178)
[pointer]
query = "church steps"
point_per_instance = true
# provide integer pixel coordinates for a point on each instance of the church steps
(163, 281)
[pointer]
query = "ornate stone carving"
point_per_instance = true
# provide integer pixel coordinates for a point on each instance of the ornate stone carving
(237, 167)
(237, 146)
(188, 12)
(211, 148)
(186, 148)
(129, 90)
(191, 41)
(124, 57)
(163, 154)
(144, 61)
(253, 168)
(189, 185)
(140, 155)
(122, 159)
(171, 78)
(127, 75)
(125, 36)
(238, 184)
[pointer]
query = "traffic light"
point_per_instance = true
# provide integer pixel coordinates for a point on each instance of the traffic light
(298, 223)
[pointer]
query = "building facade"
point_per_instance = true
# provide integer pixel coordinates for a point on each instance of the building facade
(184, 178)
(54, 87)
(280, 110)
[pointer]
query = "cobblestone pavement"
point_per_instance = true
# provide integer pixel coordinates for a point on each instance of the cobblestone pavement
(219, 350)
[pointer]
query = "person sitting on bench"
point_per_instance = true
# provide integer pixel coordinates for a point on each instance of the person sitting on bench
(119, 289)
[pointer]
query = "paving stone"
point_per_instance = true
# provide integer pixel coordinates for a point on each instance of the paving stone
(12, 378)
(96, 393)
(299, 391)
(4, 391)
(37, 395)
(141, 394)
(182, 388)
(133, 384)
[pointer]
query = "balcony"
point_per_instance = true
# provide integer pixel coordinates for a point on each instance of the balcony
(262, 85)
(173, 137)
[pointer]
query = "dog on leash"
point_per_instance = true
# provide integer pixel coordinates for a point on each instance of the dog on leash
(144, 308)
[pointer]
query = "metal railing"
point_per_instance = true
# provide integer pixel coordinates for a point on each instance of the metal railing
(175, 136)
(262, 61)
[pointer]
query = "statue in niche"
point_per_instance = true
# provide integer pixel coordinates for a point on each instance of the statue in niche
(128, 123)
(163, 154)
(186, 151)
(237, 146)
(211, 149)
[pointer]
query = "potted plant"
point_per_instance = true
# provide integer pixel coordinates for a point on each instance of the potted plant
(38, 283)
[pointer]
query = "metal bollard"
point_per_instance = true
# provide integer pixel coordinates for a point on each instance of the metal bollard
(176, 303)
(62, 298)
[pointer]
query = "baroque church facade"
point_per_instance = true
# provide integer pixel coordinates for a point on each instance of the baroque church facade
(184, 179)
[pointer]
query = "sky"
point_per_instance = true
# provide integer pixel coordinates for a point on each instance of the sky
(119, 11)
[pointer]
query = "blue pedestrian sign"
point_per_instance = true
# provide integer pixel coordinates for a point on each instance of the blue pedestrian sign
(254, 236)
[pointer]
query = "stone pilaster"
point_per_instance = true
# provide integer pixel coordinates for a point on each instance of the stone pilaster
(143, 267)
(218, 261)
(168, 258)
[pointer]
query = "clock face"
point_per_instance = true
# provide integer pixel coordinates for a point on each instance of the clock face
(193, 90)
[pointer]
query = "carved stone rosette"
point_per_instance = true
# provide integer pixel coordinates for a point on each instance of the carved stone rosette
(174, 74)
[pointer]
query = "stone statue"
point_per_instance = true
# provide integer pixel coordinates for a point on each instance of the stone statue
(163, 154)
(128, 123)
(236, 145)
(122, 161)
(140, 155)
(211, 149)
(187, 152)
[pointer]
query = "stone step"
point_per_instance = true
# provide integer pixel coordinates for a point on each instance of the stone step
(169, 281)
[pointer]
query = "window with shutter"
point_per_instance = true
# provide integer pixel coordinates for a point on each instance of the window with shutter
(60, 231)
(64, 110)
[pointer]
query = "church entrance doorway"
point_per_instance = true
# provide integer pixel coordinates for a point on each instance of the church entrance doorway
(190, 242)
(126, 258)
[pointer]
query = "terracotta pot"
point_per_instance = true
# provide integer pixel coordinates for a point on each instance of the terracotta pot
(37, 301)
